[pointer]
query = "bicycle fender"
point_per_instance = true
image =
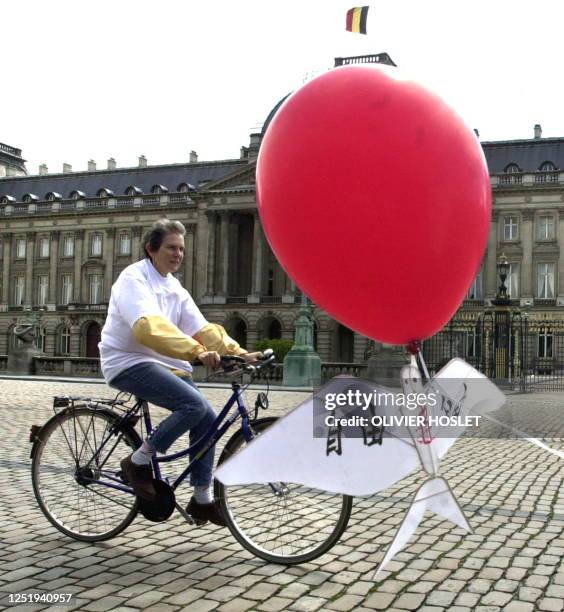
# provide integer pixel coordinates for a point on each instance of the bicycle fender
(36, 430)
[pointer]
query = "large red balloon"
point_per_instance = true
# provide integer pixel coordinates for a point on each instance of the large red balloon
(376, 200)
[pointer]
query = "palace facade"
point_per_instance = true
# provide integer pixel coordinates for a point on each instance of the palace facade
(66, 236)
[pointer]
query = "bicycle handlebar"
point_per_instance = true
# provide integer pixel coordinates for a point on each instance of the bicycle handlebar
(228, 363)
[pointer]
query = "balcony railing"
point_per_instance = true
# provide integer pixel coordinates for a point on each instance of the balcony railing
(546, 177)
(511, 179)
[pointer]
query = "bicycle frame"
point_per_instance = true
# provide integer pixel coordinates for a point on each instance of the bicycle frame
(200, 447)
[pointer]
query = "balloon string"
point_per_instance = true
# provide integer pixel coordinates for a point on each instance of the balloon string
(414, 347)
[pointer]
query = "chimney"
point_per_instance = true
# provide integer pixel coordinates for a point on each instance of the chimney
(111, 164)
(43, 169)
(538, 131)
(193, 157)
(67, 168)
(91, 165)
(142, 161)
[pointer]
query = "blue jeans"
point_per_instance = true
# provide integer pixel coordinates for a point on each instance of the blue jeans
(190, 410)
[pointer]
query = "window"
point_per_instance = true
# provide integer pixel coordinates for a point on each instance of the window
(545, 227)
(19, 288)
(95, 288)
(68, 246)
(63, 341)
(270, 281)
(510, 227)
(473, 343)
(42, 286)
(66, 289)
(20, 248)
(44, 247)
(96, 245)
(545, 281)
(547, 166)
(545, 343)
(124, 244)
(40, 342)
(512, 281)
(512, 169)
(475, 291)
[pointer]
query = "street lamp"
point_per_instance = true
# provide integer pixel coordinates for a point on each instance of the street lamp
(503, 269)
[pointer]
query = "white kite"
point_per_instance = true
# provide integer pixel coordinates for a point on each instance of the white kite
(345, 439)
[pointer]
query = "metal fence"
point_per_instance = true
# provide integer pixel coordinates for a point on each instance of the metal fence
(517, 351)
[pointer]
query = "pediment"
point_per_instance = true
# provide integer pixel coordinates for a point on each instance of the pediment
(241, 179)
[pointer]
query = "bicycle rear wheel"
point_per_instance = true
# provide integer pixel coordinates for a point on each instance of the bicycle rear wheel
(67, 482)
(281, 522)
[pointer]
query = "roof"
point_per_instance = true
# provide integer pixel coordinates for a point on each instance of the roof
(119, 180)
(527, 154)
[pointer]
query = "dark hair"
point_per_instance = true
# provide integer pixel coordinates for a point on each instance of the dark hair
(161, 228)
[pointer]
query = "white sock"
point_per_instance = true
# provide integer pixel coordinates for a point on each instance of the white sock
(142, 456)
(203, 494)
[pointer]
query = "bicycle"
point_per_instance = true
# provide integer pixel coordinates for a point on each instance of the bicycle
(79, 486)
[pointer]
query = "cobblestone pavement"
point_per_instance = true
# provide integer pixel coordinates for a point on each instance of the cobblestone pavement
(510, 489)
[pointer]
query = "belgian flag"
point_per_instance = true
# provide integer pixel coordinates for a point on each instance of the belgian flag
(356, 19)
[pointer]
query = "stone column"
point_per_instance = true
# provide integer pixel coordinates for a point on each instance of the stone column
(28, 295)
(75, 339)
(223, 263)
(258, 259)
(490, 271)
(527, 261)
(77, 285)
(7, 241)
(210, 284)
(109, 261)
(201, 252)
(53, 260)
(189, 259)
(136, 249)
(289, 290)
(560, 237)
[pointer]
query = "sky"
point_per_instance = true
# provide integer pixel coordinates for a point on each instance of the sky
(120, 78)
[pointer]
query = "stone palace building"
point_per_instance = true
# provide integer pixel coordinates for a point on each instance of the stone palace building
(65, 237)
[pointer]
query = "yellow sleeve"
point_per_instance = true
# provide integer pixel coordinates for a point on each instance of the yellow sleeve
(165, 338)
(215, 338)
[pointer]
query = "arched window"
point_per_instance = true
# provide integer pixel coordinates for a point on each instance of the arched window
(77, 195)
(7, 199)
(344, 344)
(105, 193)
(158, 189)
(270, 329)
(512, 168)
(132, 190)
(30, 197)
(53, 195)
(62, 346)
(93, 335)
(185, 188)
(547, 166)
(237, 329)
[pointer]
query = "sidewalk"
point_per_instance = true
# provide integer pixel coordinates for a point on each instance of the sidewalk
(511, 491)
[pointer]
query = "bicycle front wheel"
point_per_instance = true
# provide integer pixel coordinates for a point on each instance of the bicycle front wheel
(71, 482)
(281, 522)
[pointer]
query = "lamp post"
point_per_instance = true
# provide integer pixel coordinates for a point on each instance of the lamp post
(505, 355)
(502, 299)
(302, 365)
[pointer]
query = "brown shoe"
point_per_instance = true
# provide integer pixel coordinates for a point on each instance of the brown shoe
(140, 477)
(206, 512)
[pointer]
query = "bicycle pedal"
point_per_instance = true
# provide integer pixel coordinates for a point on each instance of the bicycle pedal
(198, 522)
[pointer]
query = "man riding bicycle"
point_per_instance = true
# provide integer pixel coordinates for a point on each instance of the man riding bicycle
(152, 331)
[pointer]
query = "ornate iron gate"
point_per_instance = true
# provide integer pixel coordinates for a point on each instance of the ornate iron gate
(515, 350)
